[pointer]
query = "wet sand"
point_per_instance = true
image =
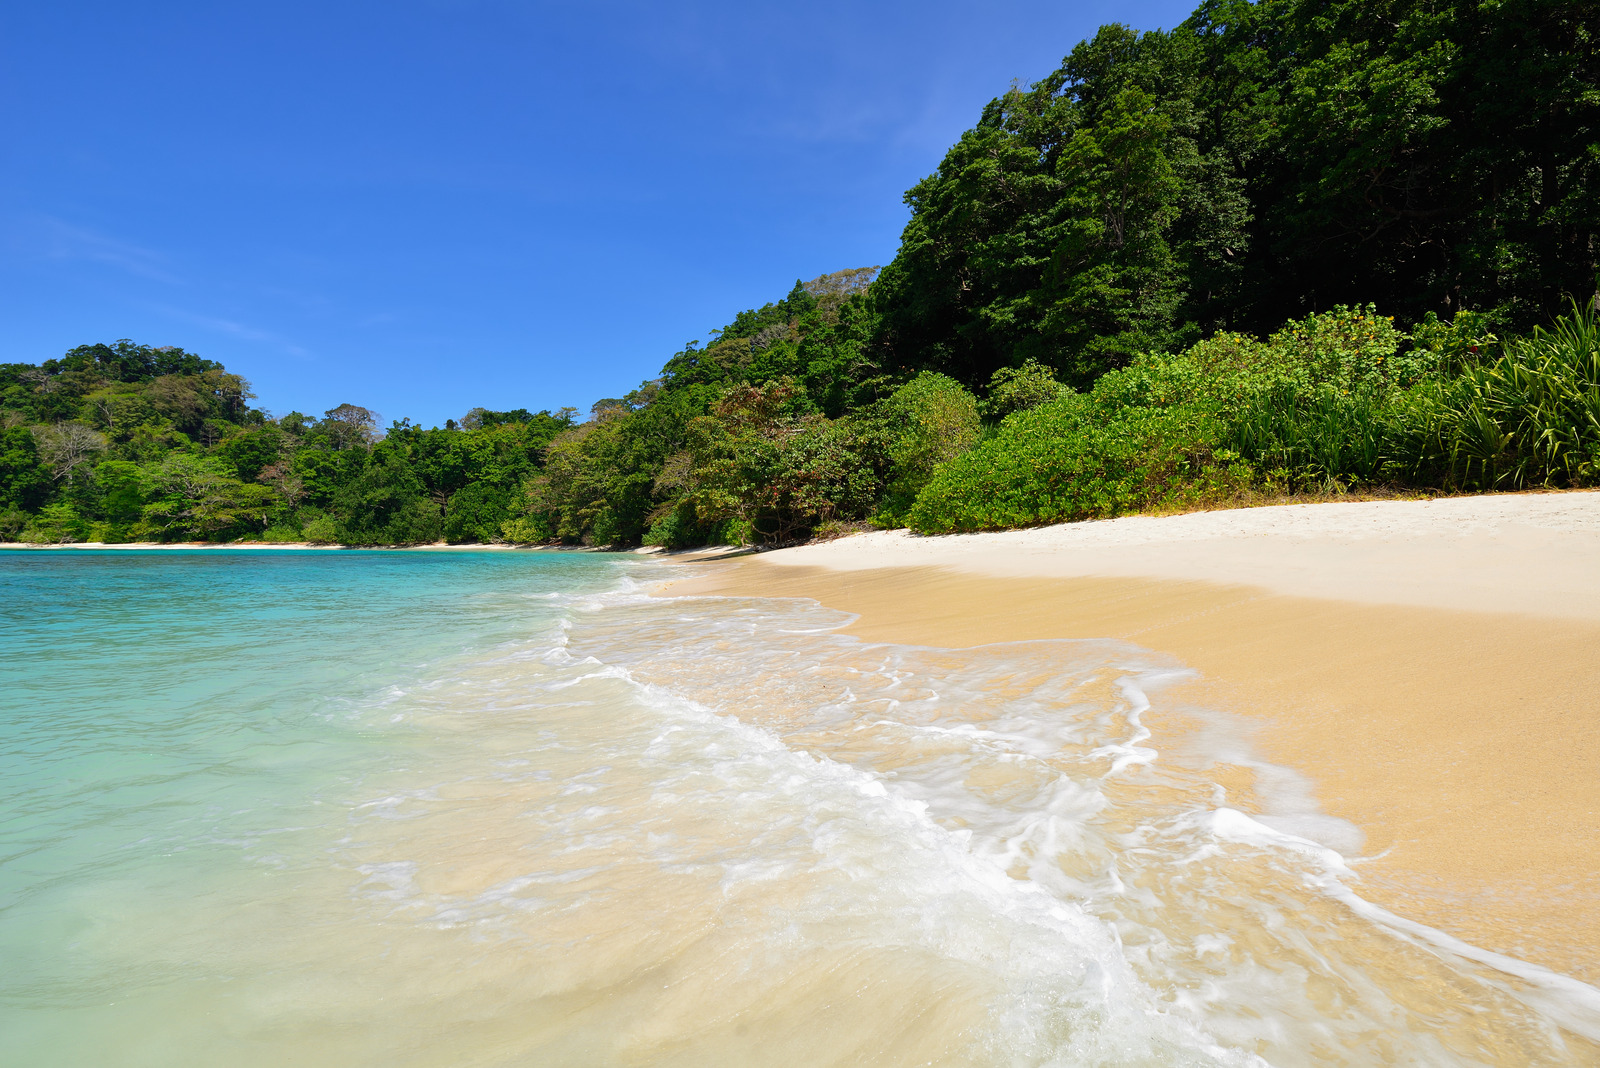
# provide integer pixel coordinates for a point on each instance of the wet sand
(1433, 667)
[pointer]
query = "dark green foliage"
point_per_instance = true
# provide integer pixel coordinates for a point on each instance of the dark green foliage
(1262, 161)
(24, 482)
(384, 504)
(252, 451)
(1427, 156)
(1069, 226)
(477, 513)
(123, 361)
(121, 486)
(1016, 389)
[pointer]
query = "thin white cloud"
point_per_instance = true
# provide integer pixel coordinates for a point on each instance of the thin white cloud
(51, 238)
(234, 328)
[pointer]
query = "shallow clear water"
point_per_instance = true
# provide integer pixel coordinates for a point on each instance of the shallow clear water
(503, 809)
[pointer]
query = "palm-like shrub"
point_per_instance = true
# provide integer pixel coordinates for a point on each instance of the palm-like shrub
(1529, 418)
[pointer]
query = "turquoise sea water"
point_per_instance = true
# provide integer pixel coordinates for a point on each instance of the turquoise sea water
(182, 738)
(502, 808)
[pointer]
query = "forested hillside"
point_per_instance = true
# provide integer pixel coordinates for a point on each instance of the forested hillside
(1261, 162)
(1285, 247)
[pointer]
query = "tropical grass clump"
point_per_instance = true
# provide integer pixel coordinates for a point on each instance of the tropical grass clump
(1530, 418)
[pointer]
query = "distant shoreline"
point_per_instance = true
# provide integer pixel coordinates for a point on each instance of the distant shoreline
(299, 546)
(1430, 665)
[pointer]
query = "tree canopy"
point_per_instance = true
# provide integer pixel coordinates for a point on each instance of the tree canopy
(1259, 162)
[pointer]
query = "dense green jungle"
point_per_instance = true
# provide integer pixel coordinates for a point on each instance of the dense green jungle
(1289, 247)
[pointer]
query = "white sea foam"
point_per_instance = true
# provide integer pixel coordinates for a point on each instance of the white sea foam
(1035, 765)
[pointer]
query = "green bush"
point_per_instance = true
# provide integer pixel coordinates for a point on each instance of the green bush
(680, 528)
(525, 530)
(282, 534)
(1529, 418)
(109, 533)
(321, 530)
(1465, 341)
(1016, 389)
(1312, 405)
(1073, 459)
(1459, 410)
(927, 422)
(56, 524)
(1346, 350)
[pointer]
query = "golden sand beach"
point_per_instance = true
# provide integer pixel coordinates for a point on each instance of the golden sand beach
(1432, 666)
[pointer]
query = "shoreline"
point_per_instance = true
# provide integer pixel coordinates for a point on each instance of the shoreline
(1430, 667)
(297, 546)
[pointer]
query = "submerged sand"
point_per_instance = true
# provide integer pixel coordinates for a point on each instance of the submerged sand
(1432, 666)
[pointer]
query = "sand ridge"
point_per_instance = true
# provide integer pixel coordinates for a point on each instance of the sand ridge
(1536, 553)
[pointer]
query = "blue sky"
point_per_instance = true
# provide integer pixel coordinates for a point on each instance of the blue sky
(425, 205)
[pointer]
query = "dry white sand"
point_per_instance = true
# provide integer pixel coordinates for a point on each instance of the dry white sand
(1535, 553)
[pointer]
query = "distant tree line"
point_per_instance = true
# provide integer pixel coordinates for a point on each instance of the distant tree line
(1288, 246)
(126, 442)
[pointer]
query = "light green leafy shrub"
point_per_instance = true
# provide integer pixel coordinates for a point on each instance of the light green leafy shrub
(1307, 404)
(321, 530)
(925, 423)
(1076, 459)
(1467, 340)
(109, 533)
(525, 530)
(196, 497)
(283, 533)
(55, 524)
(1313, 406)
(1330, 402)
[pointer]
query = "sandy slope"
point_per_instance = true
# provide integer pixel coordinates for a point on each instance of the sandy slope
(1433, 666)
(1535, 553)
